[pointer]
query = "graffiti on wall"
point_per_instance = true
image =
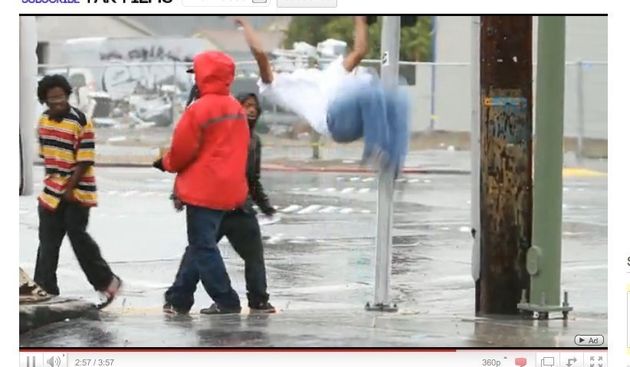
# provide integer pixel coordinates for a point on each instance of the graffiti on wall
(123, 66)
(125, 79)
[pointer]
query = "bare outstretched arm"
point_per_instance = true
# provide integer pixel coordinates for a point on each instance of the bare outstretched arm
(264, 66)
(360, 49)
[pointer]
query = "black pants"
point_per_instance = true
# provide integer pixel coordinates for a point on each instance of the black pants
(242, 230)
(71, 219)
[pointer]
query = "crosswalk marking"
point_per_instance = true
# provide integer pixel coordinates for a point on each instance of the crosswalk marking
(310, 209)
(291, 208)
(346, 190)
(329, 209)
(287, 208)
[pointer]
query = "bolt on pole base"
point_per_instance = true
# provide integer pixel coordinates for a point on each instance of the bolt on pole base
(543, 310)
(380, 307)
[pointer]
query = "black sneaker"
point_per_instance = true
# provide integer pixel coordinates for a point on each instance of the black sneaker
(262, 307)
(172, 310)
(214, 309)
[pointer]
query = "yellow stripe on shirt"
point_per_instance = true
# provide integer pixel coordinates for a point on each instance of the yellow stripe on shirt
(58, 153)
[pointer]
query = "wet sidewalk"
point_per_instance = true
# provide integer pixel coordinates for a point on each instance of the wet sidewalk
(320, 267)
(352, 327)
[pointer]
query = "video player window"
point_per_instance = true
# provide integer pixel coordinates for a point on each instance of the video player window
(329, 181)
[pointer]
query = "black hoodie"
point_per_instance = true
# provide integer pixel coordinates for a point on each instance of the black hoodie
(256, 191)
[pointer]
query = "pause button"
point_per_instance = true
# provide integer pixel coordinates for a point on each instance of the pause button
(31, 360)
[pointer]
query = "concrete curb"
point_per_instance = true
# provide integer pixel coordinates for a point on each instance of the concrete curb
(271, 167)
(33, 316)
(356, 169)
(288, 168)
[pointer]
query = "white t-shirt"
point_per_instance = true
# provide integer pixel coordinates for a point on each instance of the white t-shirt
(307, 92)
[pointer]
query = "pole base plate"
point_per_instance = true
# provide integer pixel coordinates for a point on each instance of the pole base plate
(543, 311)
(380, 307)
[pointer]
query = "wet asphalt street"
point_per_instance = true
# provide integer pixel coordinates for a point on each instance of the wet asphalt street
(320, 264)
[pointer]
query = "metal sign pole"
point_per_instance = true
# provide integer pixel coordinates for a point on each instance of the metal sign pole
(475, 151)
(544, 258)
(28, 101)
(390, 48)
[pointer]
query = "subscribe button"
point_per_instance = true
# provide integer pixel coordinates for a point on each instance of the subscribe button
(589, 340)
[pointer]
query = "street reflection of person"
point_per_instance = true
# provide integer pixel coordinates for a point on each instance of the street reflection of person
(241, 226)
(66, 144)
(209, 155)
(339, 101)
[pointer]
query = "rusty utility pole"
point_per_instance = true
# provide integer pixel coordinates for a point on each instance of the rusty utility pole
(505, 207)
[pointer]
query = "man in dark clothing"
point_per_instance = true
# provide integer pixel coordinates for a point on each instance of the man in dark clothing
(257, 195)
(241, 226)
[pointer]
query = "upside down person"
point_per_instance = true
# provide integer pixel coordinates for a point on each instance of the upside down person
(339, 102)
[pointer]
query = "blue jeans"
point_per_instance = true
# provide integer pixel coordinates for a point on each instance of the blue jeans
(367, 110)
(202, 261)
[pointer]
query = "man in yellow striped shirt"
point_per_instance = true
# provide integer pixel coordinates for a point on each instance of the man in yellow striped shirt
(66, 140)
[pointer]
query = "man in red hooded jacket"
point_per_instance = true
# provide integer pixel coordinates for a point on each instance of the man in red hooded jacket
(209, 155)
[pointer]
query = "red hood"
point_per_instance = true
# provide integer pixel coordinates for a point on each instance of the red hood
(214, 72)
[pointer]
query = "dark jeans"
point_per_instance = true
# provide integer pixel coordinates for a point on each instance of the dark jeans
(71, 219)
(379, 116)
(242, 230)
(202, 261)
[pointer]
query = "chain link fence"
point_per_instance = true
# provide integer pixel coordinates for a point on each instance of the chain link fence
(134, 106)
